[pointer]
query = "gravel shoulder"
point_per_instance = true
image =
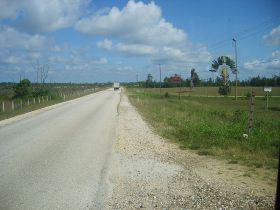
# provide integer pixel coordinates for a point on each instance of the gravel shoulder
(149, 172)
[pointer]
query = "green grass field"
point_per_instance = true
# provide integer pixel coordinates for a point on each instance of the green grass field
(213, 91)
(214, 126)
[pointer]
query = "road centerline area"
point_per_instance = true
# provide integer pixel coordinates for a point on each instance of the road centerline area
(55, 159)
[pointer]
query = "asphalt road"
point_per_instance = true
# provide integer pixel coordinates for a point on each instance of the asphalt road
(58, 159)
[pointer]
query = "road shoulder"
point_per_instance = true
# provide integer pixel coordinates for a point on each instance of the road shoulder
(151, 173)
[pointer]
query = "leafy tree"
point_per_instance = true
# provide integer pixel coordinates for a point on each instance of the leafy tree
(167, 82)
(22, 89)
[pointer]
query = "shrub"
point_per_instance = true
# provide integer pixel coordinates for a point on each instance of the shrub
(166, 94)
(248, 95)
(22, 89)
(224, 90)
(40, 91)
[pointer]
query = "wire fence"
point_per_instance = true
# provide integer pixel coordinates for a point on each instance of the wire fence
(8, 106)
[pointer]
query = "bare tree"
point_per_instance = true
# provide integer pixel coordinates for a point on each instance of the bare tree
(42, 71)
(21, 75)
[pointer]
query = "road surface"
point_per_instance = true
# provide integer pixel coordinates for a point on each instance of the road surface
(58, 159)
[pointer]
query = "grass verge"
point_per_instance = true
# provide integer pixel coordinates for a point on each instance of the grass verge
(215, 126)
(25, 108)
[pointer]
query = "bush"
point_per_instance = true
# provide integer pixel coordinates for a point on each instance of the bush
(224, 90)
(248, 95)
(22, 89)
(40, 91)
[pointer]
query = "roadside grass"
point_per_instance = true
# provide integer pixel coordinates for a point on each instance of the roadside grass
(213, 91)
(8, 113)
(215, 126)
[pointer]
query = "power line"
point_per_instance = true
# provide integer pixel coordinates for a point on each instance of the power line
(247, 32)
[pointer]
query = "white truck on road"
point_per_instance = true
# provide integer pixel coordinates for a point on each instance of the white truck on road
(116, 85)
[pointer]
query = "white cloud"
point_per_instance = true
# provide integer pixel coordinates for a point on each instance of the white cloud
(276, 54)
(10, 38)
(191, 56)
(140, 30)
(135, 49)
(272, 63)
(273, 38)
(129, 49)
(42, 15)
(19, 48)
(106, 44)
(9, 9)
(136, 22)
(100, 61)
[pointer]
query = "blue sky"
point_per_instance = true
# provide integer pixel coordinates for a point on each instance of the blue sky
(100, 41)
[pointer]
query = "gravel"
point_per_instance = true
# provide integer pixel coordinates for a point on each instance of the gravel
(148, 172)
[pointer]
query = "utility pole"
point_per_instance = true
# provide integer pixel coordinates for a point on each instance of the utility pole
(180, 85)
(234, 41)
(159, 78)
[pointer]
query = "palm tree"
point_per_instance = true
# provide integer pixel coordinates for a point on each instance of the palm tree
(222, 64)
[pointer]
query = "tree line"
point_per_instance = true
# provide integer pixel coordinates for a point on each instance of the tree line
(195, 81)
(26, 89)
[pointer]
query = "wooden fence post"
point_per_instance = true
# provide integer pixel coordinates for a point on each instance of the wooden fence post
(13, 106)
(28, 102)
(21, 104)
(3, 106)
(34, 100)
(250, 121)
(39, 99)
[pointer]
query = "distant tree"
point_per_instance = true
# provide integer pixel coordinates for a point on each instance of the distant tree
(166, 82)
(188, 83)
(42, 71)
(194, 79)
(149, 81)
(22, 89)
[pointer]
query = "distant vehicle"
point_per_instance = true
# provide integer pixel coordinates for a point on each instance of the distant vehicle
(116, 86)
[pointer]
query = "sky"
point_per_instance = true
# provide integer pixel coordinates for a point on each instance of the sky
(86, 41)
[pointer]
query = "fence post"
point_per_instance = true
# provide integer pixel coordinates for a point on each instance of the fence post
(28, 102)
(3, 106)
(64, 97)
(13, 106)
(47, 98)
(34, 100)
(250, 121)
(21, 104)
(43, 99)
(39, 99)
